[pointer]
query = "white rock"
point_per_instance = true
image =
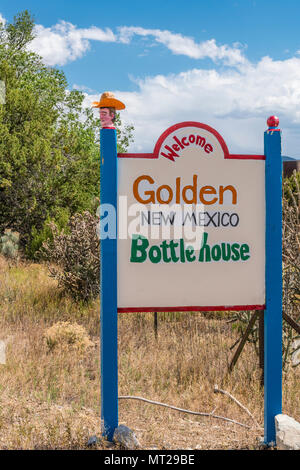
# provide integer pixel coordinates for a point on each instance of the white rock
(287, 433)
(126, 437)
(2, 352)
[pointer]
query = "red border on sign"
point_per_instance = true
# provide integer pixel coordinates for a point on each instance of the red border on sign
(155, 155)
(216, 308)
(173, 128)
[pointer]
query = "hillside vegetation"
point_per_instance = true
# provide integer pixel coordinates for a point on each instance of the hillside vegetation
(50, 391)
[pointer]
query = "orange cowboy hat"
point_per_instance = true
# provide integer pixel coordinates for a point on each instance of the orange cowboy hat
(108, 100)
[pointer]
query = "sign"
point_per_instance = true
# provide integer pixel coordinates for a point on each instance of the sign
(191, 225)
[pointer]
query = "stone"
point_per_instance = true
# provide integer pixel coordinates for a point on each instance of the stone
(2, 352)
(93, 441)
(126, 437)
(287, 433)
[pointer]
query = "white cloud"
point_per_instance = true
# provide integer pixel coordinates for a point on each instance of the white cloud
(2, 19)
(184, 45)
(82, 88)
(64, 42)
(235, 102)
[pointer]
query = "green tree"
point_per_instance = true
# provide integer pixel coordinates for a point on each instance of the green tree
(49, 144)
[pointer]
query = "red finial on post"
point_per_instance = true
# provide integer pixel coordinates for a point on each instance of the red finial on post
(273, 121)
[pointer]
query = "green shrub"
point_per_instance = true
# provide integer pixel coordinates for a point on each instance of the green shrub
(10, 244)
(291, 187)
(74, 257)
(39, 236)
(49, 140)
(290, 275)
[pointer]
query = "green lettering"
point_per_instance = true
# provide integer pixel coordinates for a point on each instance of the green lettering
(165, 247)
(206, 248)
(182, 255)
(226, 254)
(155, 258)
(173, 245)
(244, 252)
(216, 252)
(139, 244)
(235, 252)
(189, 252)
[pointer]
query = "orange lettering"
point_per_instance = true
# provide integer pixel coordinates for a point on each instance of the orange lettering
(228, 188)
(207, 190)
(136, 194)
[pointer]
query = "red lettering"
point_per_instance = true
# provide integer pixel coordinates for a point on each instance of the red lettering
(183, 140)
(178, 142)
(200, 140)
(208, 148)
(196, 139)
(170, 155)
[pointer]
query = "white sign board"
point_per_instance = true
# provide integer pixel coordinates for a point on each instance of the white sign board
(191, 225)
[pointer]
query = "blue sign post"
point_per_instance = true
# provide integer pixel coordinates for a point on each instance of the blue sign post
(273, 312)
(108, 287)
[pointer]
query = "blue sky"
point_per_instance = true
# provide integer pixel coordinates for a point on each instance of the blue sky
(228, 63)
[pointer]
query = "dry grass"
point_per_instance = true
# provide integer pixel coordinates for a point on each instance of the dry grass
(50, 399)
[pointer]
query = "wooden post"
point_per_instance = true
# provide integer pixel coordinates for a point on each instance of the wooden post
(243, 340)
(291, 322)
(108, 317)
(273, 312)
(155, 325)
